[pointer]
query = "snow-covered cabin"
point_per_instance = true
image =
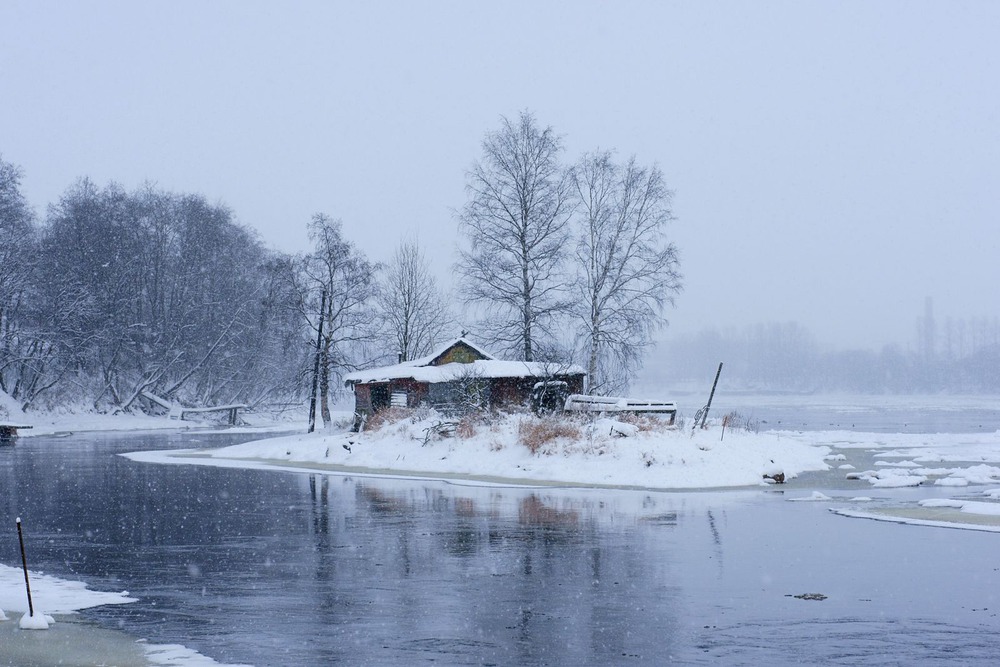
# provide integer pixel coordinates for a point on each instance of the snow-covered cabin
(454, 376)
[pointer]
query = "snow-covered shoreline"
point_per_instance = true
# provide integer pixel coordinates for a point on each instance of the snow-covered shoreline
(599, 456)
(661, 459)
(51, 594)
(63, 598)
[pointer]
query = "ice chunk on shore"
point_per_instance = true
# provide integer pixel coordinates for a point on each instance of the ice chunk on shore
(36, 621)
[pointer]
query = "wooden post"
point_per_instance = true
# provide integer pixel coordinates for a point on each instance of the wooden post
(708, 406)
(24, 564)
(315, 382)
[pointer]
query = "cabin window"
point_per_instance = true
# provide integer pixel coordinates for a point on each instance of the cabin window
(380, 397)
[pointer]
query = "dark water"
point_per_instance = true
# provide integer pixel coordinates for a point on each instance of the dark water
(272, 568)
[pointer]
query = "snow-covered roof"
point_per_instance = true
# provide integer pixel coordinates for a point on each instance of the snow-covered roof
(421, 369)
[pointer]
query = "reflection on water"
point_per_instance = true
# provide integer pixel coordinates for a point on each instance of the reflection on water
(848, 641)
(275, 568)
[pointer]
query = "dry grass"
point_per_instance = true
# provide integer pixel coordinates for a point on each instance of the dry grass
(467, 426)
(644, 422)
(386, 417)
(735, 420)
(536, 433)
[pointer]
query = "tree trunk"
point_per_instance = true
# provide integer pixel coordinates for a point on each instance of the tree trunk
(324, 388)
(592, 379)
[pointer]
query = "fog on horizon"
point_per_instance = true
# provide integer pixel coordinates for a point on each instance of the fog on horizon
(833, 163)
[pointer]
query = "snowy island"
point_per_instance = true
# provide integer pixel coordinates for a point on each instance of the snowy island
(525, 449)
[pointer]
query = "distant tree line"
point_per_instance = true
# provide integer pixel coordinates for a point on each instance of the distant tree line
(786, 357)
(117, 296)
(126, 301)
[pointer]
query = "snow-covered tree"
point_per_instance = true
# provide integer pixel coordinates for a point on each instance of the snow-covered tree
(413, 311)
(626, 267)
(150, 292)
(338, 277)
(515, 224)
(24, 355)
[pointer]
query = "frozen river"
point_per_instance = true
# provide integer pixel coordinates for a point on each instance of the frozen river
(274, 568)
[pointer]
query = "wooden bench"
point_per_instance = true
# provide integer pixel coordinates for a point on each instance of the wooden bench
(233, 411)
(617, 404)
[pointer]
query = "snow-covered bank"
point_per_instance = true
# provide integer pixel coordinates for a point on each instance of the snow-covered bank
(51, 594)
(52, 423)
(85, 643)
(599, 455)
(79, 419)
(901, 459)
(606, 454)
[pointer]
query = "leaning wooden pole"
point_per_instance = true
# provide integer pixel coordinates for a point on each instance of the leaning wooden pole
(24, 564)
(315, 382)
(708, 406)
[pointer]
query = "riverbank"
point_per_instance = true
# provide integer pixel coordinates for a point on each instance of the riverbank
(525, 450)
(71, 639)
(63, 424)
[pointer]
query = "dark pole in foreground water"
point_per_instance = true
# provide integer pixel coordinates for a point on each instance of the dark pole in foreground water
(24, 563)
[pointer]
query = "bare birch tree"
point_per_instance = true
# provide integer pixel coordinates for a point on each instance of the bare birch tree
(413, 311)
(627, 270)
(516, 223)
(348, 278)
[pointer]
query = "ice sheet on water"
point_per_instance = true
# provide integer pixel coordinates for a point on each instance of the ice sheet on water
(969, 506)
(896, 515)
(55, 595)
(175, 655)
(816, 496)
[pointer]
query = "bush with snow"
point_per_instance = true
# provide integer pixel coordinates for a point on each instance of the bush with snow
(540, 434)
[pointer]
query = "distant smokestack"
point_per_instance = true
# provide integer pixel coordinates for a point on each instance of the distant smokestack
(930, 330)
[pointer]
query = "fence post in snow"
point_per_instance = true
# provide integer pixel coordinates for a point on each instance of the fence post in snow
(704, 416)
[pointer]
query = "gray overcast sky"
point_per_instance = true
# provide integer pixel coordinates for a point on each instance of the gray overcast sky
(833, 162)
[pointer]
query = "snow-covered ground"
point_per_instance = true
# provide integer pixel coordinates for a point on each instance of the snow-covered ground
(610, 453)
(53, 423)
(602, 453)
(50, 594)
(613, 454)
(86, 644)
(80, 419)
